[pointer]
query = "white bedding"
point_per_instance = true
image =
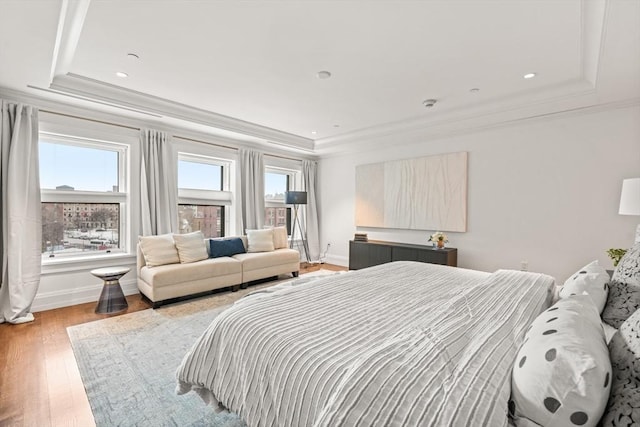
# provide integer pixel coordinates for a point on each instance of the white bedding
(398, 344)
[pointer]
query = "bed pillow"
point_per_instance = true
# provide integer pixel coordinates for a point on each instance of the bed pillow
(260, 240)
(624, 289)
(623, 408)
(591, 279)
(158, 250)
(191, 247)
(225, 247)
(561, 376)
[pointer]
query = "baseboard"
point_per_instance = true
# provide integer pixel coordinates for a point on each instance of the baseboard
(68, 297)
(342, 261)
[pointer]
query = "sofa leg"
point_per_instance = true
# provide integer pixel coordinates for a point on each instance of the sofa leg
(244, 285)
(156, 304)
(295, 273)
(235, 288)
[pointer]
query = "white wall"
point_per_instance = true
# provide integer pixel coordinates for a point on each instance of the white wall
(544, 191)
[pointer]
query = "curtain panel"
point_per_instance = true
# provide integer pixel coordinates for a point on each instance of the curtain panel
(20, 212)
(310, 181)
(159, 185)
(251, 198)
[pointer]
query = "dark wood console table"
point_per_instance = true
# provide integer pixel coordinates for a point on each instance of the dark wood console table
(374, 252)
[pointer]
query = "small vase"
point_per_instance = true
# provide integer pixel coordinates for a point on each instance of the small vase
(440, 244)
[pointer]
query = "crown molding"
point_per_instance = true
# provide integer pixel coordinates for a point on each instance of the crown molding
(561, 97)
(70, 23)
(422, 134)
(136, 120)
(94, 90)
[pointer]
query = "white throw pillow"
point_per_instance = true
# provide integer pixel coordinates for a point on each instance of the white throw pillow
(260, 240)
(280, 238)
(562, 374)
(592, 279)
(158, 250)
(191, 247)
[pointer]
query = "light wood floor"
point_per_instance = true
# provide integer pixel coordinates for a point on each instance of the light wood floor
(39, 380)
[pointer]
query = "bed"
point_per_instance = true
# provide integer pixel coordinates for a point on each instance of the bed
(403, 343)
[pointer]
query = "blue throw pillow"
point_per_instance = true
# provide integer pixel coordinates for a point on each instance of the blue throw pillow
(225, 247)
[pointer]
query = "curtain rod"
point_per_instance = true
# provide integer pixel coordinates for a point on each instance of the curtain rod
(175, 136)
(233, 148)
(89, 120)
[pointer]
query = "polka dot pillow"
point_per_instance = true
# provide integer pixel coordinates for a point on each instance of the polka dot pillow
(592, 279)
(562, 374)
(624, 291)
(624, 404)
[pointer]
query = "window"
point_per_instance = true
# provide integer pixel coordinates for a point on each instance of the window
(203, 194)
(276, 183)
(83, 193)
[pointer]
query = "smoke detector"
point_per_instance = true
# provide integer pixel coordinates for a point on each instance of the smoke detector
(428, 103)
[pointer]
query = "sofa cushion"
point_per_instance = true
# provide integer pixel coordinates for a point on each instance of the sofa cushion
(225, 247)
(254, 261)
(159, 250)
(166, 275)
(260, 240)
(191, 247)
(280, 238)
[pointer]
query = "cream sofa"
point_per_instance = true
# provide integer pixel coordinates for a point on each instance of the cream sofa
(165, 282)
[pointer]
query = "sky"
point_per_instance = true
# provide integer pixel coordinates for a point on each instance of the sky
(90, 169)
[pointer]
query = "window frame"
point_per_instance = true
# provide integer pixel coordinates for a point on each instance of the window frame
(222, 198)
(293, 180)
(120, 197)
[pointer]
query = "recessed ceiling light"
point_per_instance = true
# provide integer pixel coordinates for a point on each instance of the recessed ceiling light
(336, 126)
(529, 75)
(474, 90)
(122, 74)
(132, 56)
(313, 132)
(323, 75)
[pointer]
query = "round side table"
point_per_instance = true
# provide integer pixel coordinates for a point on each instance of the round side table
(112, 299)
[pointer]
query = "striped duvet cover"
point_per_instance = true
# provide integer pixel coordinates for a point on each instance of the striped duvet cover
(400, 344)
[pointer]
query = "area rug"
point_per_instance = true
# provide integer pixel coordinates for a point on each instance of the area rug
(128, 363)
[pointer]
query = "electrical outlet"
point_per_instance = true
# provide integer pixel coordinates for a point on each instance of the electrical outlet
(524, 265)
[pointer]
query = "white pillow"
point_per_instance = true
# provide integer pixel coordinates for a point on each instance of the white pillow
(562, 374)
(592, 279)
(260, 240)
(158, 250)
(191, 247)
(280, 238)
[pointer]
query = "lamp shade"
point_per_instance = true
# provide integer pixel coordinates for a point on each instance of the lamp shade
(630, 197)
(295, 197)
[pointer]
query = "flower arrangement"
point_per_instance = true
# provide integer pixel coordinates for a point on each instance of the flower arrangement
(439, 239)
(616, 254)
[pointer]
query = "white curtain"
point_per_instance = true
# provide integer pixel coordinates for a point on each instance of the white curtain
(159, 185)
(310, 180)
(20, 212)
(251, 176)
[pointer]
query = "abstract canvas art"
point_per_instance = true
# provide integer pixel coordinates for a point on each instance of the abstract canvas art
(426, 193)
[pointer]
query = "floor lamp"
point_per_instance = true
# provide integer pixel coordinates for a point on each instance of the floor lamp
(297, 198)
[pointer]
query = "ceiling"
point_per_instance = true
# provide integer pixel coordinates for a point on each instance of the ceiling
(248, 69)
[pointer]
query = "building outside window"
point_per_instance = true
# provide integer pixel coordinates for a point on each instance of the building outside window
(83, 187)
(277, 182)
(203, 194)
